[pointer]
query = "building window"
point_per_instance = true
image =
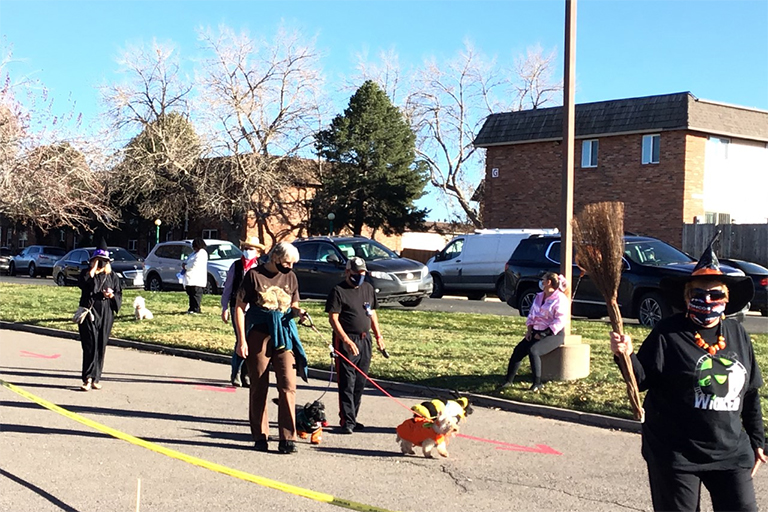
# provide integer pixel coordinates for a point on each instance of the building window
(133, 245)
(651, 149)
(169, 236)
(210, 233)
(589, 153)
(720, 147)
(22, 240)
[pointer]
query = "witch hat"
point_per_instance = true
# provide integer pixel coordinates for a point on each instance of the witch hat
(740, 287)
(102, 251)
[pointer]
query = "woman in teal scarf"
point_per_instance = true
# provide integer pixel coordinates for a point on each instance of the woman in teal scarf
(267, 333)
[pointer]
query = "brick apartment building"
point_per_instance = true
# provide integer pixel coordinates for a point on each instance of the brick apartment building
(672, 159)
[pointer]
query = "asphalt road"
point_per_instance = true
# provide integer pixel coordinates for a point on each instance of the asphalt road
(504, 461)
(753, 323)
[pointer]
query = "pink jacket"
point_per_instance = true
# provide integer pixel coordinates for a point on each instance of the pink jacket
(549, 314)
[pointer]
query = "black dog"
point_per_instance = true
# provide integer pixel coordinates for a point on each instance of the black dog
(310, 421)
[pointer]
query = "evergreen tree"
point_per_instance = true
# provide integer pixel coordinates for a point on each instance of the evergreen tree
(373, 177)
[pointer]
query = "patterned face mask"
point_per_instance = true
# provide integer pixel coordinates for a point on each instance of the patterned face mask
(703, 312)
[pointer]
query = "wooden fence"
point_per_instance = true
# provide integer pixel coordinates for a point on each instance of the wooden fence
(747, 242)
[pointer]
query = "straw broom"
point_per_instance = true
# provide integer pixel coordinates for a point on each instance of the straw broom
(598, 231)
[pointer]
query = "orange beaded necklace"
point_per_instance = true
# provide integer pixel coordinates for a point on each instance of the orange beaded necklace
(712, 349)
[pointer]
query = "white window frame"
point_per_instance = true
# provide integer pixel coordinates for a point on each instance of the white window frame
(211, 234)
(133, 245)
(589, 153)
(651, 142)
(725, 141)
(23, 237)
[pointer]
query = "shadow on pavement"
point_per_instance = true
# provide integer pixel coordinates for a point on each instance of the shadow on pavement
(37, 490)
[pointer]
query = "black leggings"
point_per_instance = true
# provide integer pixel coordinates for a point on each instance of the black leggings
(534, 349)
(678, 490)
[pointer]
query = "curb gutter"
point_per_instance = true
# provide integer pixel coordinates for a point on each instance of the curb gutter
(584, 418)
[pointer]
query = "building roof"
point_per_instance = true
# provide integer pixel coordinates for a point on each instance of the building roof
(677, 111)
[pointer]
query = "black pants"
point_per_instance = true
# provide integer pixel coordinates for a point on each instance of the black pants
(730, 490)
(534, 349)
(195, 297)
(351, 382)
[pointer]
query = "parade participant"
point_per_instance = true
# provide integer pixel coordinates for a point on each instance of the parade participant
(252, 249)
(545, 323)
(267, 334)
(102, 295)
(196, 275)
(703, 421)
(351, 308)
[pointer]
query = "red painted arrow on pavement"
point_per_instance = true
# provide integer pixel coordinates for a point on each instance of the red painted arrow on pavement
(24, 353)
(539, 448)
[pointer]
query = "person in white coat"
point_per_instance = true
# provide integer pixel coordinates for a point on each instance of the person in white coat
(196, 275)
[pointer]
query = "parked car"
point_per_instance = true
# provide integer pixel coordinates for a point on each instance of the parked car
(473, 264)
(5, 259)
(395, 279)
(164, 262)
(646, 261)
(36, 260)
(128, 268)
(759, 275)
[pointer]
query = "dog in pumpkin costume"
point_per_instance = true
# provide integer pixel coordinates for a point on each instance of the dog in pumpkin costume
(433, 423)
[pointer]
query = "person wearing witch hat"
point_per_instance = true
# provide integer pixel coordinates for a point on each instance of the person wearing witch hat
(252, 248)
(703, 420)
(102, 296)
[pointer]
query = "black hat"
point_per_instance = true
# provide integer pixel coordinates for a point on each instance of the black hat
(356, 264)
(740, 288)
(102, 251)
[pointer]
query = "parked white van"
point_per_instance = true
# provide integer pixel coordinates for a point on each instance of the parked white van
(473, 264)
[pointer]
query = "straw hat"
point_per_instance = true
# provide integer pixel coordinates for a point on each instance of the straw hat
(253, 241)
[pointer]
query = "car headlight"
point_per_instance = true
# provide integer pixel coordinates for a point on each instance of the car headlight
(380, 275)
(223, 275)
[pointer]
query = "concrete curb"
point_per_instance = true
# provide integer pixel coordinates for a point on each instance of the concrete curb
(595, 420)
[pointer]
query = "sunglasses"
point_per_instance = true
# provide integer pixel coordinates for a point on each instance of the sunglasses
(713, 295)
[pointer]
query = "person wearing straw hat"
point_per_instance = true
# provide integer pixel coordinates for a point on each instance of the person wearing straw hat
(252, 248)
(102, 296)
(703, 419)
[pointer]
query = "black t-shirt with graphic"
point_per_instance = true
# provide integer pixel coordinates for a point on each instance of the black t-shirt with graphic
(702, 411)
(353, 305)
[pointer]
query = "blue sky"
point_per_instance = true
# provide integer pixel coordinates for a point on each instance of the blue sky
(718, 50)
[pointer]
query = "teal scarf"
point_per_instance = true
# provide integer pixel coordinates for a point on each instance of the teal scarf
(282, 331)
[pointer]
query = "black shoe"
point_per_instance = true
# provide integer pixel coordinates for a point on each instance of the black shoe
(261, 445)
(346, 430)
(536, 388)
(287, 447)
(359, 427)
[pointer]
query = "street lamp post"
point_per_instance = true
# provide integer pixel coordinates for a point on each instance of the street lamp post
(331, 216)
(157, 231)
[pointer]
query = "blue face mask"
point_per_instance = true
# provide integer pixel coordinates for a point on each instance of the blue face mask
(360, 279)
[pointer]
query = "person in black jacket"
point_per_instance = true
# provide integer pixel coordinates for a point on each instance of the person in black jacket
(102, 295)
(703, 420)
(252, 249)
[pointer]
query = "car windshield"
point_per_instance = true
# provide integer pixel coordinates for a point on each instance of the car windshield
(54, 251)
(366, 249)
(225, 251)
(4, 251)
(119, 254)
(654, 253)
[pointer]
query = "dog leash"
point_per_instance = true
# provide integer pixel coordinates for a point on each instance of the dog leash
(312, 326)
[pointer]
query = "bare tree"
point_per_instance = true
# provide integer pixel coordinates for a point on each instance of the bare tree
(48, 177)
(386, 72)
(534, 81)
(263, 106)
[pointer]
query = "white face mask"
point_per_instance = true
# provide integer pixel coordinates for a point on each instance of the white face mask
(541, 285)
(250, 253)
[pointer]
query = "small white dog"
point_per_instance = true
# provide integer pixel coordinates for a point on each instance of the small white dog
(140, 311)
(430, 434)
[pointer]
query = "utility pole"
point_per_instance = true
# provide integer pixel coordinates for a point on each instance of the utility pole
(569, 114)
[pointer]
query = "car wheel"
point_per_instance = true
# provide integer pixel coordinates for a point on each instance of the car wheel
(32, 270)
(651, 309)
(437, 287)
(210, 287)
(476, 295)
(60, 280)
(154, 283)
(500, 290)
(526, 300)
(411, 303)
(11, 269)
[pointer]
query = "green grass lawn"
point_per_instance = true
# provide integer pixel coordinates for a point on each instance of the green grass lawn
(468, 352)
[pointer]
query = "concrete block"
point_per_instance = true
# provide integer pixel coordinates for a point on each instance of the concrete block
(569, 361)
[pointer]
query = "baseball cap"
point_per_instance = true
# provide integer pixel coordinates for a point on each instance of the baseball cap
(356, 264)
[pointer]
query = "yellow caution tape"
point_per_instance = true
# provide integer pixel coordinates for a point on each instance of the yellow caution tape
(266, 482)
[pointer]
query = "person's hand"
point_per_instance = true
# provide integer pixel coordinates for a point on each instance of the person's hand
(380, 342)
(760, 459)
(109, 293)
(242, 349)
(528, 335)
(225, 315)
(620, 343)
(301, 314)
(537, 336)
(351, 347)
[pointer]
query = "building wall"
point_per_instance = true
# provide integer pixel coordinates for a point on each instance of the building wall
(526, 193)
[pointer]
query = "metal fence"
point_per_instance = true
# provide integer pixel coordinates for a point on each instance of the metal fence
(739, 241)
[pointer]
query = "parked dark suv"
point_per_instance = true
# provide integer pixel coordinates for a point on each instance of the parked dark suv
(323, 259)
(646, 261)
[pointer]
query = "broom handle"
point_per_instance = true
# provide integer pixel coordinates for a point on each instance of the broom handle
(625, 364)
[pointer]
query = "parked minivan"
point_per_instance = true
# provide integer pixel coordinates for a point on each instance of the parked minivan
(164, 262)
(473, 264)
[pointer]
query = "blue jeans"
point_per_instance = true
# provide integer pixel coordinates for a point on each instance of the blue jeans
(237, 361)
